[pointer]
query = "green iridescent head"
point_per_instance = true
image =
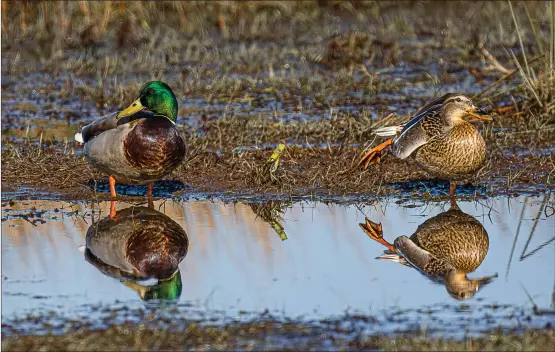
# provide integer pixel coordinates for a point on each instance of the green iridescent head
(167, 290)
(154, 96)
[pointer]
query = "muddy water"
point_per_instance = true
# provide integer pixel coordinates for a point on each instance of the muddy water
(305, 259)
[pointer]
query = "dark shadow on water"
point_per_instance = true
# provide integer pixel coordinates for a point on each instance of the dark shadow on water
(163, 188)
(437, 188)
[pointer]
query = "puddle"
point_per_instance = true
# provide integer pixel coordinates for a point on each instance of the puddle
(306, 259)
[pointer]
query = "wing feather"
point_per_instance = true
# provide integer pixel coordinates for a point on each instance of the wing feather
(106, 123)
(413, 136)
(420, 258)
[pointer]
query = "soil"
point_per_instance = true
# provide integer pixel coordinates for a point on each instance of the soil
(312, 169)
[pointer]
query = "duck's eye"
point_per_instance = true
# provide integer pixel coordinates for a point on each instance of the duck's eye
(151, 91)
(458, 100)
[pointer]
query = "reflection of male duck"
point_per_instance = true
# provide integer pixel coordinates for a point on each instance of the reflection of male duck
(444, 248)
(138, 244)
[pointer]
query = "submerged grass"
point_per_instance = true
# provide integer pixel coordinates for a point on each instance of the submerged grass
(268, 336)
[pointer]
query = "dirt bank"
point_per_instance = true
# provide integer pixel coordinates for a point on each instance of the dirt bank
(324, 164)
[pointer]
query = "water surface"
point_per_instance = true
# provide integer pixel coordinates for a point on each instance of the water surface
(306, 259)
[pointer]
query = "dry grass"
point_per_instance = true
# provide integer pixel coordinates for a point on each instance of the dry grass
(308, 169)
(255, 73)
(214, 49)
(268, 336)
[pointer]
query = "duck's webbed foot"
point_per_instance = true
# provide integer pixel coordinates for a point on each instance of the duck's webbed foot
(374, 155)
(374, 231)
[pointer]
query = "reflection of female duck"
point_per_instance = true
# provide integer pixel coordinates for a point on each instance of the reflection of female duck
(139, 243)
(445, 247)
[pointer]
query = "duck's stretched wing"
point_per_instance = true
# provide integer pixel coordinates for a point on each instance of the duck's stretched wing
(393, 257)
(418, 131)
(105, 123)
(420, 258)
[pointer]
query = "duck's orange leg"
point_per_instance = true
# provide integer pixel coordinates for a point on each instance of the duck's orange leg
(374, 154)
(112, 182)
(374, 231)
(149, 195)
(452, 188)
(112, 209)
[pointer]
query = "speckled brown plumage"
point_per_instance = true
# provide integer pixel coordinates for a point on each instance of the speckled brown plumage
(456, 240)
(438, 138)
(461, 151)
(445, 248)
(432, 124)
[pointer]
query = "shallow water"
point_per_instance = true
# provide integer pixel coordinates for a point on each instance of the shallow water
(237, 261)
(33, 108)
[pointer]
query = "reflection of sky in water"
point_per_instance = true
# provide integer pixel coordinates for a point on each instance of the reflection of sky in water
(237, 262)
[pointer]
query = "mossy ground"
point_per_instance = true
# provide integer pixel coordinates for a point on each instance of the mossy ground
(517, 162)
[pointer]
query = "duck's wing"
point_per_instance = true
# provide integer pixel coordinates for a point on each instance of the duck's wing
(105, 123)
(104, 268)
(419, 130)
(420, 258)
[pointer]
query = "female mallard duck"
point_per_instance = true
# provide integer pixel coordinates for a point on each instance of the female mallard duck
(137, 243)
(139, 145)
(444, 248)
(438, 138)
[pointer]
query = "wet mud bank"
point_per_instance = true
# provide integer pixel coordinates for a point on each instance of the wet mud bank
(303, 171)
(267, 334)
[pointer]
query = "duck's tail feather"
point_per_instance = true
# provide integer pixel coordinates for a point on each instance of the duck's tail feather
(392, 257)
(79, 138)
(388, 131)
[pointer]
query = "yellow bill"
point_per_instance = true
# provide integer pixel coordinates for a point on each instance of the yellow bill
(134, 108)
(480, 115)
(140, 289)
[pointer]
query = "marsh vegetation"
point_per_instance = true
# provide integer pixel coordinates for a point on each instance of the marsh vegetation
(251, 77)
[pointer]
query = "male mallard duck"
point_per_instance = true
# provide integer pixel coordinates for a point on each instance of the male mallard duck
(438, 139)
(163, 290)
(137, 243)
(445, 247)
(140, 144)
